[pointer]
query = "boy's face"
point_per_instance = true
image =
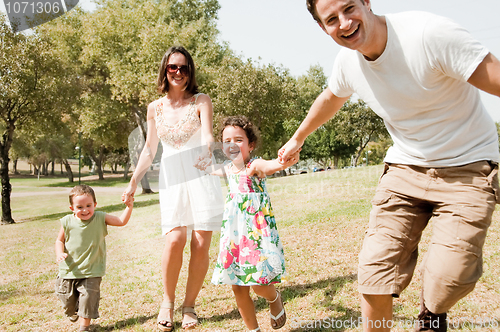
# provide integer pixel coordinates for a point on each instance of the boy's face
(83, 207)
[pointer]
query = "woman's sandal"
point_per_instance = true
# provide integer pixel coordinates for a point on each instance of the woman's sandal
(189, 318)
(255, 330)
(274, 319)
(84, 328)
(166, 308)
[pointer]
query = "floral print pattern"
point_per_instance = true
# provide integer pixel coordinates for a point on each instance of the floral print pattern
(250, 251)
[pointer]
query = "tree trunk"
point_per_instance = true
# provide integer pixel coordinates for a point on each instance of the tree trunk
(4, 173)
(126, 170)
(14, 166)
(68, 170)
(52, 169)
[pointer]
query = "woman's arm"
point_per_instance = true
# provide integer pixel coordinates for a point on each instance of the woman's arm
(204, 104)
(146, 157)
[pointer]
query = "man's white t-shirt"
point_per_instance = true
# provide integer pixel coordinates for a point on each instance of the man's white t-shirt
(419, 88)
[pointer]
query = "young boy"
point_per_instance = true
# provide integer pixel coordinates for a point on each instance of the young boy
(81, 254)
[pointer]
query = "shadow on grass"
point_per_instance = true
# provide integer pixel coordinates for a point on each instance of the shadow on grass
(107, 209)
(331, 286)
(130, 322)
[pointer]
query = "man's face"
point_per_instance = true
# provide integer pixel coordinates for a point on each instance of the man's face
(348, 22)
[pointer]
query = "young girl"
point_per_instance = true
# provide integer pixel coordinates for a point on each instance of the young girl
(250, 254)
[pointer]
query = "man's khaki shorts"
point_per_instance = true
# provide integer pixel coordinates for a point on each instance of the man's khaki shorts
(460, 201)
(80, 296)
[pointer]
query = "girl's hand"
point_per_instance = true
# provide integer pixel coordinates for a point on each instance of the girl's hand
(61, 257)
(128, 194)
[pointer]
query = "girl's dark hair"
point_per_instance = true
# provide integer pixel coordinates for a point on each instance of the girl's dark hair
(162, 82)
(244, 123)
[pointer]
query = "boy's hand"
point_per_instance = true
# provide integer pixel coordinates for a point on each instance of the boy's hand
(129, 202)
(61, 257)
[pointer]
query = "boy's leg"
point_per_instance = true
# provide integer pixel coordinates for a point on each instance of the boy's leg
(68, 295)
(246, 306)
(88, 307)
(454, 261)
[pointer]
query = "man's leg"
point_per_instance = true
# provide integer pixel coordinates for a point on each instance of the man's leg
(376, 311)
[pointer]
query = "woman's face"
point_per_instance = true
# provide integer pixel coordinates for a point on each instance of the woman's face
(177, 72)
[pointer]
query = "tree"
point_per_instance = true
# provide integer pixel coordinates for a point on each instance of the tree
(30, 89)
(357, 124)
(264, 94)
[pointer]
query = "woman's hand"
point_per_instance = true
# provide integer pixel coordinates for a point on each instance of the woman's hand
(128, 194)
(203, 160)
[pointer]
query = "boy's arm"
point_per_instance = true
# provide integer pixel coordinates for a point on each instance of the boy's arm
(262, 168)
(59, 246)
(123, 219)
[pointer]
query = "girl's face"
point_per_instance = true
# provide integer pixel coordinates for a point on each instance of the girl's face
(83, 206)
(177, 77)
(236, 145)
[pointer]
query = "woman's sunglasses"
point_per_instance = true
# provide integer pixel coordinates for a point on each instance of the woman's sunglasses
(174, 69)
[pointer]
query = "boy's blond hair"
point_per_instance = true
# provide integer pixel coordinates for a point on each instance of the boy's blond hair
(81, 189)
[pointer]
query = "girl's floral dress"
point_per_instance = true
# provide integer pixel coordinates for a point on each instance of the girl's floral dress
(250, 251)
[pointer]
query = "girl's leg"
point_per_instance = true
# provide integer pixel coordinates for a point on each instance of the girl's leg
(246, 306)
(171, 262)
(272, 296)
(198, 267)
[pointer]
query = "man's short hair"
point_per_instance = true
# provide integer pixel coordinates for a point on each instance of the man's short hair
(311, 7)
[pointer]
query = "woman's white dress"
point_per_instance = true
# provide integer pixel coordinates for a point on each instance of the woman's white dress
(188, 196)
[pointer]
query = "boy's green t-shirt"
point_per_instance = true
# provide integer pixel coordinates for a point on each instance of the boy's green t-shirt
(85, 246)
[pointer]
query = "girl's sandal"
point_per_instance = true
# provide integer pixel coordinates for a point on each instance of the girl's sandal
(84, 328)
(255, 330)
(189, 318)
(166, 315)
(274, 319)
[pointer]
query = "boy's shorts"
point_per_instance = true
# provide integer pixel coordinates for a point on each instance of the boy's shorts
(80, 296)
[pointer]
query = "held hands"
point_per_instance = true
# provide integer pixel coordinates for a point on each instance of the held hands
(128, 195)
(203, 160)
(292, 160)
(288, 150)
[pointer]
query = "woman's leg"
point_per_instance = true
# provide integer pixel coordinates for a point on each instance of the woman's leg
(171, 262)
(245, 306)
(198, 267)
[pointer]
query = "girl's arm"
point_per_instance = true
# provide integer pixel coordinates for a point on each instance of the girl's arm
(60, 254)
(218, 170)
(123, 219)
(262, 168)
(146, 157)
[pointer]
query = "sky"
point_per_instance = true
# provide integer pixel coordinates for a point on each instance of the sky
(283, 33)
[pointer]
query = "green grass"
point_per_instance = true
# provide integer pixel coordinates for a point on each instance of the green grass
(322, 218)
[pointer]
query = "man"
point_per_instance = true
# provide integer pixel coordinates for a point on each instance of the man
(420, 73)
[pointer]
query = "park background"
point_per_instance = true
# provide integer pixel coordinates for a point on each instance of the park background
(79, 85)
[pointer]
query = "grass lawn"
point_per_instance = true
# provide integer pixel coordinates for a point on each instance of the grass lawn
(321, 217)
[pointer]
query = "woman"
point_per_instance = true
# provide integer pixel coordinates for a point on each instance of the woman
(190, 201)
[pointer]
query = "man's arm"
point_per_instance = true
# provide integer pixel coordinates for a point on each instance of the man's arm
(324, 107)
(486, 77)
